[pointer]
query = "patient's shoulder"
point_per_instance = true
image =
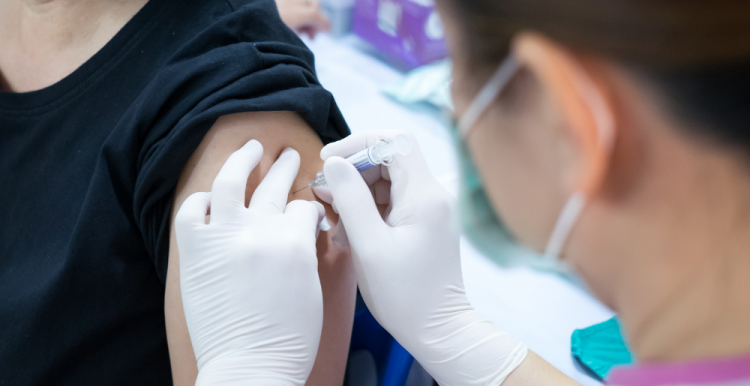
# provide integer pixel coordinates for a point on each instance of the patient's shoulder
(244, 61)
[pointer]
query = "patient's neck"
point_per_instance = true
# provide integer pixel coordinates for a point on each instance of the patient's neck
(45, 40)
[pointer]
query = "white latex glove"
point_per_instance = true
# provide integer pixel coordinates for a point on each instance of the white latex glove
(409, 266)
(249, 278)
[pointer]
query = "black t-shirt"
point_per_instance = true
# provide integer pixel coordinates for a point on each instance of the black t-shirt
(89, 167)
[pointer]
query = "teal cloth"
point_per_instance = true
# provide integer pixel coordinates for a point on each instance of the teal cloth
(601, 347)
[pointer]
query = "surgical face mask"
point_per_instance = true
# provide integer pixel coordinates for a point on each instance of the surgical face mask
(479, 221)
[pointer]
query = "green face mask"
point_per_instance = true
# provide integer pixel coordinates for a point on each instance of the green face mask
(484, 228)
(480, 223)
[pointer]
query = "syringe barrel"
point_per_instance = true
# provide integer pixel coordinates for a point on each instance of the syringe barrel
(362, 160)
(375, 155)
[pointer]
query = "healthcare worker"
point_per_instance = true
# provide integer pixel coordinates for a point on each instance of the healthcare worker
(613, 139)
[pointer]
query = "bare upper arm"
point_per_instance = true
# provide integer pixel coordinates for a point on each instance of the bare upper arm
(535, 371)
(275, 131)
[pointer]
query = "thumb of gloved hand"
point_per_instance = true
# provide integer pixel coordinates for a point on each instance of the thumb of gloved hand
(353, 199)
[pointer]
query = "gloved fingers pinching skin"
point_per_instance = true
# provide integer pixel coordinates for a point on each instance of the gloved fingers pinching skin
(272, 192)
(249, 280)
(194, 210)
(308, 214)
(228, 189)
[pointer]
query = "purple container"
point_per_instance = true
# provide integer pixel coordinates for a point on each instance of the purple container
(409, 31)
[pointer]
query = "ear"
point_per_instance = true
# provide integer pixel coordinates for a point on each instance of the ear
(588, 114)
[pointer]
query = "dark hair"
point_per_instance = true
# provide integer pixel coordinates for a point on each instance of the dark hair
(696, 52)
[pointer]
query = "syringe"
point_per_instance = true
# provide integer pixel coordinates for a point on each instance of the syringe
(380, 153)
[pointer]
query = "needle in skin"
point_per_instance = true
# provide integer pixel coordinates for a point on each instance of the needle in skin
(294, 192)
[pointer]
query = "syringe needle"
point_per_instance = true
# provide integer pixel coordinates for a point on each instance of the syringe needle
(300, 190)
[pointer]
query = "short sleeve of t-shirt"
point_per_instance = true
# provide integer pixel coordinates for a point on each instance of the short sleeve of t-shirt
(246, 61)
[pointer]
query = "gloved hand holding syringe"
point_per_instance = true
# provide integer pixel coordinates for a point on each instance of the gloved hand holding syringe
(408, 263)
(380, 153)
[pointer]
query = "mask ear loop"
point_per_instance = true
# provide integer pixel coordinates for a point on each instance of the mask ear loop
(568, 217)
(573, 208)
(489, 92)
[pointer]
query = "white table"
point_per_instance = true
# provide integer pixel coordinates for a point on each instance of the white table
(541, 309)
